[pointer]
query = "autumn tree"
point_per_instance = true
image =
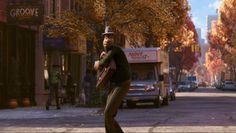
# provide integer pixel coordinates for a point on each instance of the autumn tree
(214, 64)
(155, 23)
(202, 73)
(217, 37)
(228, 21)
(159, 20)
(223, 33)
(182, 56)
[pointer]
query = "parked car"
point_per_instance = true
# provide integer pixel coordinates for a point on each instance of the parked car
(185, 86)
(229, 85)
(218, 85)
(194, 85)
(202, 84)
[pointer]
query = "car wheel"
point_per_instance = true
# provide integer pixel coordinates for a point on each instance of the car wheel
(157, 102)
(172, 97)
(165, 101)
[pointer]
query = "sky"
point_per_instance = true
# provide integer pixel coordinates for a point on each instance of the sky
(200, 9)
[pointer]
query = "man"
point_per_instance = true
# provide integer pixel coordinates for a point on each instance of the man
(119, 82)
(54, 79)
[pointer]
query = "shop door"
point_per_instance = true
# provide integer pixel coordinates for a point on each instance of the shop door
(2, 65)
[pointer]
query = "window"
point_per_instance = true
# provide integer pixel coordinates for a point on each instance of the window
(49, 7)
(65, 5)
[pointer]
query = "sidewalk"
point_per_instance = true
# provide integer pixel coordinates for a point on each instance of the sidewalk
(41, 112)
(69, 119)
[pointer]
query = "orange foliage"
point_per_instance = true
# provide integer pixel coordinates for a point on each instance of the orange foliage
(189, 56)
(223, 34)
(214, 62)
(218, 35)
(163, 19)
(227, 21)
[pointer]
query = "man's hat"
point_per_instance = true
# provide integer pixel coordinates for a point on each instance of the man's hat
(108, 31)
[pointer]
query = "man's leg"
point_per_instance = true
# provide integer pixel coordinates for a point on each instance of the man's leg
(56, 89)
(50, 96)
(88, 96)
(114, 100)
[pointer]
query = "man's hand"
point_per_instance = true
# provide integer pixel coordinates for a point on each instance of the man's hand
(102, 54)
(96, 65)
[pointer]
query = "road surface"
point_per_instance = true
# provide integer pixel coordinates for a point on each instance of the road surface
(206, 110)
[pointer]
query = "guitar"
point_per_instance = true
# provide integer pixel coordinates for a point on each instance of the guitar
(104, 75)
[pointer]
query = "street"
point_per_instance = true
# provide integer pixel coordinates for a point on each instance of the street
(204, 110)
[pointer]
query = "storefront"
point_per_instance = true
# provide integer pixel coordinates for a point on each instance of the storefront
(17, 63)
(70, 57)
(18, 44)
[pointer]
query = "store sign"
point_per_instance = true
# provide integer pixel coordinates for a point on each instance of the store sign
(141, 56)
(25, 13)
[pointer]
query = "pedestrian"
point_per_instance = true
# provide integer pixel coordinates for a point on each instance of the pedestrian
(70, 96)
(46, 82)
(87, 86)
(119, 82)
(54, 81)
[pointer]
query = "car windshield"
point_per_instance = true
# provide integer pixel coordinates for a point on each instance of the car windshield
(229, 82)
(141, 71)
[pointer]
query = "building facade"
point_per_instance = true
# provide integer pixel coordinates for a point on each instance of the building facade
(202, 43)
(24, 57)
(50, 52)
(210, 19)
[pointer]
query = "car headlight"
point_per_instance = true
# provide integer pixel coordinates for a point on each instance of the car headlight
(149, 88)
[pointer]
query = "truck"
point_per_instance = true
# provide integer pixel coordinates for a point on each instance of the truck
(148, 69)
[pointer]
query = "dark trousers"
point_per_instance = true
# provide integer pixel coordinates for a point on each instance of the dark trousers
(114, 99)
(87, 93)
(70, 95)
(53, 93)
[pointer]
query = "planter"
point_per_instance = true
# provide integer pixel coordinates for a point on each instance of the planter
(12, 103)
(26, 102)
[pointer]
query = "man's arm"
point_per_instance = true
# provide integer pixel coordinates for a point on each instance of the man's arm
(107, 58)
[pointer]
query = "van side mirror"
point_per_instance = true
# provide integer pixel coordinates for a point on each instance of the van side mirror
(161, 77)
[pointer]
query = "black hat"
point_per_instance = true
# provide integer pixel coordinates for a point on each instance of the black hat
(108, 31)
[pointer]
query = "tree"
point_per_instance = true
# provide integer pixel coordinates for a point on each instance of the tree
(160, 20)
(223, 34)
(214, 63)
(181, 54)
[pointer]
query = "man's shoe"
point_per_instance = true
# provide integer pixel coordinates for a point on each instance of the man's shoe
(47, 107)
(58, 107)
